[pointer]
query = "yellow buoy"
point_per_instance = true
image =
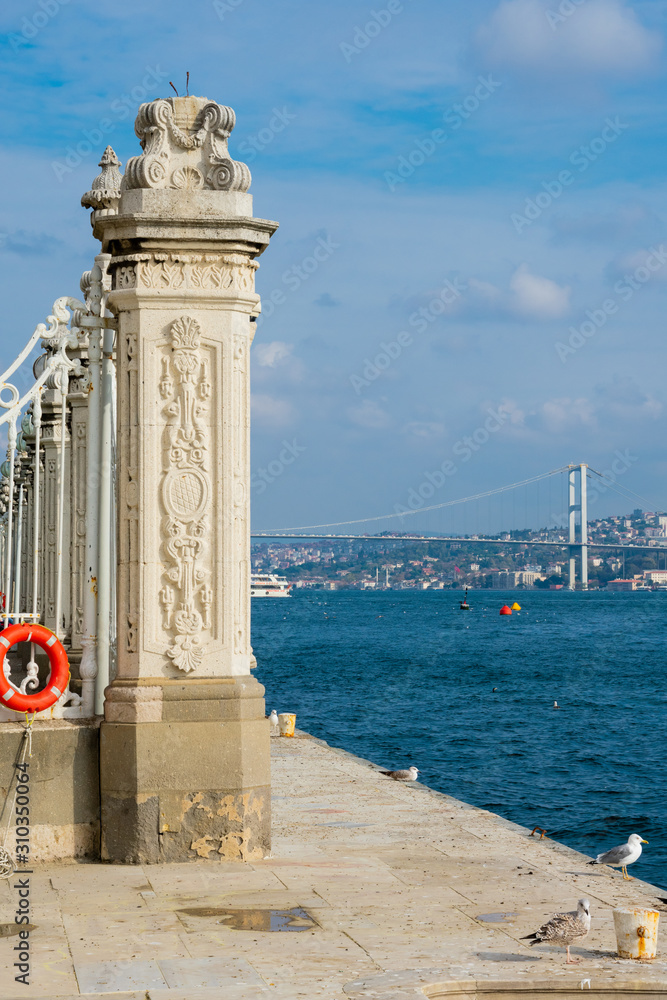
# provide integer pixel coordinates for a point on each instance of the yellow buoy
(516, 607)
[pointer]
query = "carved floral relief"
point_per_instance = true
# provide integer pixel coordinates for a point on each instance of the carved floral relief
(203, 271)
(186, 490)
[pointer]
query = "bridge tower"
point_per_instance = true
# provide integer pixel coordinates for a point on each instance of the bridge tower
(577, 472)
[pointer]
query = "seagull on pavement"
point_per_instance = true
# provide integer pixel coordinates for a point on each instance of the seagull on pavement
(407, 775)
(564, 928)
(623, 855)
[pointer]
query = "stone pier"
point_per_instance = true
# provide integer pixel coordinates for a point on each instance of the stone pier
(184, 753)
(390, 892)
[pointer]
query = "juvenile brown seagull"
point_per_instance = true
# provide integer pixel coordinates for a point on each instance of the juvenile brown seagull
(408, 775)
(564, 928)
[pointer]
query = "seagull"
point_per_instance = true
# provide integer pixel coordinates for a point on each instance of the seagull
(408, 775)
(273, 719)
(556, 705)
(564, 928)
(623, 855)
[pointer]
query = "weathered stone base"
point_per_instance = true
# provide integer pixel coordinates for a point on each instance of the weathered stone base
(50, 842)
(186, 774)
(63, 786)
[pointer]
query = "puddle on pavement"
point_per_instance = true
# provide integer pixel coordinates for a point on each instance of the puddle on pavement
(496, 918)
(295, 919)
(9, 930)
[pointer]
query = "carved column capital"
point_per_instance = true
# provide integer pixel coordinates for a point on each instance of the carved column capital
(185, 147)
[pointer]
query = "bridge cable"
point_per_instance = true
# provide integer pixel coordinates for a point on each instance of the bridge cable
(419, 510)
(617, 488)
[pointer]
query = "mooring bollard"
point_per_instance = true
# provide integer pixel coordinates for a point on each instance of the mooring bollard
(287, 722)
(636, 933)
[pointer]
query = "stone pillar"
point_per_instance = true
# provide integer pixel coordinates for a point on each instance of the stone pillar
(185, 744)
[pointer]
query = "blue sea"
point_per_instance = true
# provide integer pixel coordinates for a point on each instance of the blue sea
(405, 677)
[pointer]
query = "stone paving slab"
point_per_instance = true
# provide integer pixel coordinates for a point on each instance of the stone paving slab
(408, 888)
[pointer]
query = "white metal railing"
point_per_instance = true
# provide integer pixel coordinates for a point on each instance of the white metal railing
(57, 502)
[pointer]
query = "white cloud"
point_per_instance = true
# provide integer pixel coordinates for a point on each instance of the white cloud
(619, 221)
(270, 355)
(424, 429)
(597, 37)
(370, 415)
(562, 414)
(530, 297)
(516, 415)
(270, 411)
(641, 265)
(537, 298)
(625, 399)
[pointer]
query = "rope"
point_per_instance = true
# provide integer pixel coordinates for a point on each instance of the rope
(7, 866)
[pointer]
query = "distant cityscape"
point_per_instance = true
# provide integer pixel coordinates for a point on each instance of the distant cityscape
(398, 561)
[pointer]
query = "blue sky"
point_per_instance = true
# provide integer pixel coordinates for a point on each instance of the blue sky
(498, 166)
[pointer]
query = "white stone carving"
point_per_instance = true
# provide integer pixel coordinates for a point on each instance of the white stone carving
(186, 489)
(104, 195)
(206, 272)
(185, 147)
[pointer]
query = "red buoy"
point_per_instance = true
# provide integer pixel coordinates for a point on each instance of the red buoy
(505, 610)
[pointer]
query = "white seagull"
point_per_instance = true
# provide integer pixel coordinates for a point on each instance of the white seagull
(407, 775)
(564, 928)
(273, 719)
(623, 855)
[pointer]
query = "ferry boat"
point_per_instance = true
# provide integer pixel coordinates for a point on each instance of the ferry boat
(268, 585)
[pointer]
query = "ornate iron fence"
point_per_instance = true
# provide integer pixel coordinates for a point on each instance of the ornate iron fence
(57, 506)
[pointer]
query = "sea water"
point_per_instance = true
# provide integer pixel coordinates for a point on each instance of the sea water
(405, 677)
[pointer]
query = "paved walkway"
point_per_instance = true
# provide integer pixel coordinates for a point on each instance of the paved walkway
(406, 887)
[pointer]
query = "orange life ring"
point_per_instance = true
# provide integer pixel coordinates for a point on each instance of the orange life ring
(58, 680)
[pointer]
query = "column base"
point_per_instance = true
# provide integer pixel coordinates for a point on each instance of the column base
(185, 771)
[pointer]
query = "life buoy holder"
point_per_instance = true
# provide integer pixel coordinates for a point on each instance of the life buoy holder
(58, 681)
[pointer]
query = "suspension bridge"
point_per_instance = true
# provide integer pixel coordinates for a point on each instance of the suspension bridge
(575, 520)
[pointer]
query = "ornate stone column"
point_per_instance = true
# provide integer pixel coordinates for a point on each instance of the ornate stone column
(185, 745)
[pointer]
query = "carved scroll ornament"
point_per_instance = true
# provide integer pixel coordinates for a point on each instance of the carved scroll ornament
(185, 147)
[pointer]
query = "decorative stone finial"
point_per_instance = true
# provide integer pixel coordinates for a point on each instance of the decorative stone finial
(185, 147)
(104, 195)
